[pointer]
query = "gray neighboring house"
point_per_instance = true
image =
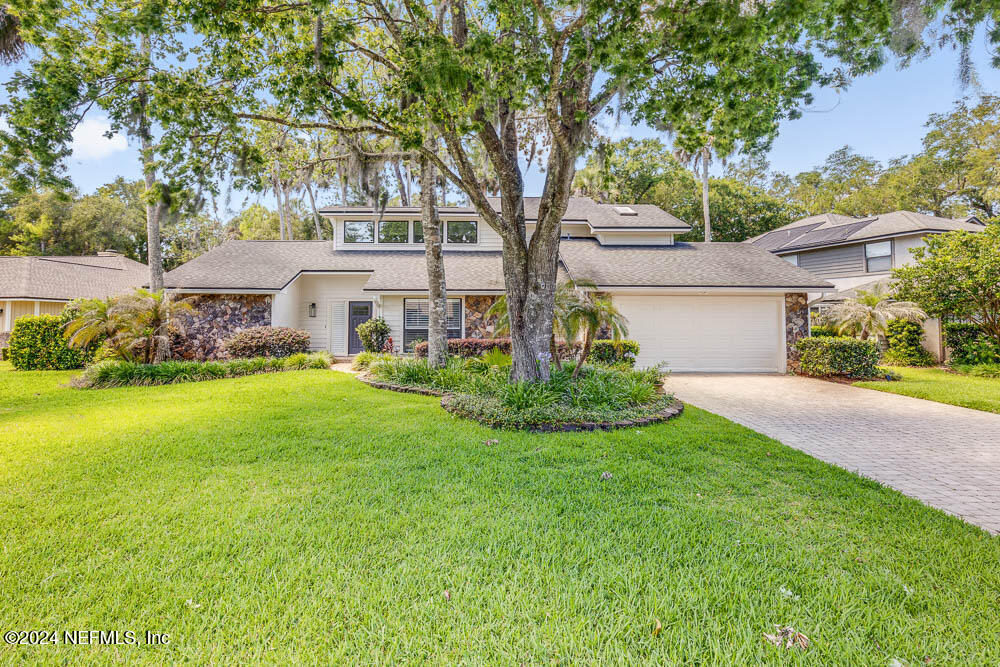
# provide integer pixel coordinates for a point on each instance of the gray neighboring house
(44, 285)
(694, 306)
(859, 253)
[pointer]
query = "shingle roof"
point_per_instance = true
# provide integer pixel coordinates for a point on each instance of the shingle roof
(830, 229)
(579, 209)
(683, 265)
(270, 265)
(67, 278)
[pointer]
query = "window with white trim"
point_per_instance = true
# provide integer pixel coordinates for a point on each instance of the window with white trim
(462, 231)
(416, 316)
(361, 231)
(418, 231)
(393, 231)
(878, 256)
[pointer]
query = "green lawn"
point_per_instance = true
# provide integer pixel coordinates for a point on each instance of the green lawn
(935, 384)
(303, 517)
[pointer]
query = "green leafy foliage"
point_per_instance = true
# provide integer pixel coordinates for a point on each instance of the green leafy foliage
(121, 373)
(267, 342)
(614, 352)
(374, 334)
(968, 344)
(991, 370)
(819, 330)
(363, 360)
(37, 344)
(838, 357)
(906, 345)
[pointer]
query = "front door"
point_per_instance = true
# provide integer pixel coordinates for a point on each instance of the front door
(358, 312)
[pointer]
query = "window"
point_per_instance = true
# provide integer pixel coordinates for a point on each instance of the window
(878, 256)
(415, 317)
(791, 259)
(418, 231)
(359, 232)
(393, 231)
(463, 232)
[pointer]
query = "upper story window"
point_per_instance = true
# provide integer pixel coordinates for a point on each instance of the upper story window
(878, 256)
(359, 232)
(461, 231)
(393, 231)
(418, 231)
(791, 259)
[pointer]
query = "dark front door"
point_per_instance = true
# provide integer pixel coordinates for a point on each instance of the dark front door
(358, 313)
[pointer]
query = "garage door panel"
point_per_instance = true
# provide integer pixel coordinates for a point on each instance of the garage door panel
(705, 333)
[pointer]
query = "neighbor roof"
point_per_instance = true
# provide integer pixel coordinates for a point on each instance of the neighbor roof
(827, 229)
(271, 265)
(68, 278)
(683, 265)
(579, 209)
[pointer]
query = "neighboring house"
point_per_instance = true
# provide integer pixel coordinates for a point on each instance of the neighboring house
(695, 306)
(43, 285)
(858, 253)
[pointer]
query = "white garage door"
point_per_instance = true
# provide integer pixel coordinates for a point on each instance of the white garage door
(706, 333)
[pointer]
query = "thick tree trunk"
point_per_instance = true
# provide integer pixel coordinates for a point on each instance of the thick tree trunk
(437, 294)
(704, 195)
(154, 209)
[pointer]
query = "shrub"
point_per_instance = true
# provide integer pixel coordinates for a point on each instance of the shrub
(476, 347)
(267, 342)
(374, 334)
(37, 344)
(905, 345)
(838, 356)
(614, 352)
(365, 359)
(494, 358)
(120, 373)
(819, 330)
(969, 345)
(978, 370)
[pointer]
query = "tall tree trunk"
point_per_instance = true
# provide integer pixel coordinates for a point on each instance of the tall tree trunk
(281, 211)
(437, 294)
(154, 207)
(289, 234)
(704, 195)
(316, 217)
(588, 341)
(404, 193)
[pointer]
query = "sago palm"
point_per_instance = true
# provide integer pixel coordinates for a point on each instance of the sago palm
(100, 319)
(869, 313)
(590, 315)
(564, 325)
(149, 314)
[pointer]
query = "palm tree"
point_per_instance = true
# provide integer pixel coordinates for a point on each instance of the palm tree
(592, 314)
(564, 324)
(870, 313)
(97, 319)
(149, 314)
(11, 44)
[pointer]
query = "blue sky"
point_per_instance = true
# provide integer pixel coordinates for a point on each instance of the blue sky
(881, 115)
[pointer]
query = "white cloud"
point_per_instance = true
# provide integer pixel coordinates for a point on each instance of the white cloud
(89, 142)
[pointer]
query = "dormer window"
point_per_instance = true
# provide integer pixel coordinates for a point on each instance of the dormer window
(462, 231)
(359, 232)
(393, 231)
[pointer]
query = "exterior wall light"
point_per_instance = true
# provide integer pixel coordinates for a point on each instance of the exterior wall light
(312, 310)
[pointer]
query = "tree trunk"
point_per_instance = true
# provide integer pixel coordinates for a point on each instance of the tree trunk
(281, 211)
(316, 217)
(588, 340)
(437, 294)
(404, 193)
(704, 195)
(154, 209)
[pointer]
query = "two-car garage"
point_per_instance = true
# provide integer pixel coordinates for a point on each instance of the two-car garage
(708, 333)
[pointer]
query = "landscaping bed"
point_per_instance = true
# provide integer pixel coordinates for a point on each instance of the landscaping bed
(478, 388)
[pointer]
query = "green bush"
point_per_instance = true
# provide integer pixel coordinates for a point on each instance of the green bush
(614, 352)
(119, 373)
(841, 356)
(365, 359)
(969, 345)
(819, 330)
(374, 334)
(906, 345)
(978, 370)
(37, 344)
(266, 342)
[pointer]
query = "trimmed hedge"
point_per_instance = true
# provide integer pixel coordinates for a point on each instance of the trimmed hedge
(614, 352)
(969, 345)
(906, 345)
(37, 344)
(119, 373)
(267, 342)
(476, 347)
(820, 330)
(838, 357)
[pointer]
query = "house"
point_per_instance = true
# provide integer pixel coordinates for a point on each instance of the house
(695, 306)
(859, 253)
(44, 285)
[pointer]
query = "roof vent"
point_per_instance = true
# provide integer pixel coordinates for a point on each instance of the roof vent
(625, 210)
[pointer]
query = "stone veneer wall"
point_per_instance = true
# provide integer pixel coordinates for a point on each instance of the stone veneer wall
(796, 326)
(218, 317)
(477, 324)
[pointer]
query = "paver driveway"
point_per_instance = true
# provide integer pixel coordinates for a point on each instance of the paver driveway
(944, 455)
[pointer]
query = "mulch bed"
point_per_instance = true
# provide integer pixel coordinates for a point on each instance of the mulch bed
(673, 409)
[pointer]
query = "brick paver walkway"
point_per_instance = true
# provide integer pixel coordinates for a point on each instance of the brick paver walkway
(944, 455)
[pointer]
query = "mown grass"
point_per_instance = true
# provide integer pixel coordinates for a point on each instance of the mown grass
(306, 518)
(934, 384)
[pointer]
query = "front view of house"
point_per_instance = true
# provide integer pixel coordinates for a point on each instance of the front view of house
(694, 306)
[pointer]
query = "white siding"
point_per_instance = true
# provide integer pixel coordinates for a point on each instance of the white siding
(392, 312)
(635, 238)
(901, 249)
(285, 306)
(330, 294)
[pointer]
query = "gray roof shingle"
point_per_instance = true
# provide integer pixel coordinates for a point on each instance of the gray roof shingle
(67, 278)
(830, 229)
